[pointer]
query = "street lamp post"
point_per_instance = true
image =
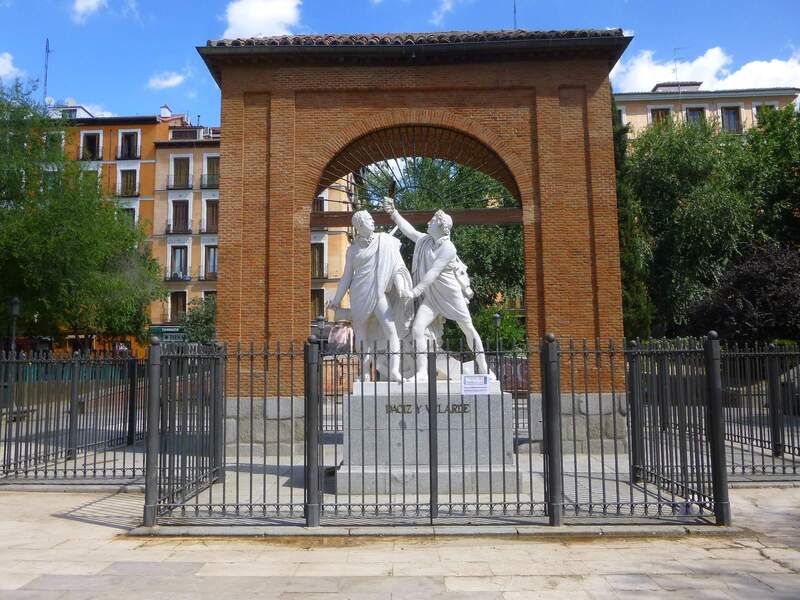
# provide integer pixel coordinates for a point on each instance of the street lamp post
(13, 311)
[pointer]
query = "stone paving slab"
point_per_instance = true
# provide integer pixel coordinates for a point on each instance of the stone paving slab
(74, 547)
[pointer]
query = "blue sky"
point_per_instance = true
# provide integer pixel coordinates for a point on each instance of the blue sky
(130, 56)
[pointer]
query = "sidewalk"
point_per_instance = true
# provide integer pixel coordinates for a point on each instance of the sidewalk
(73, 546)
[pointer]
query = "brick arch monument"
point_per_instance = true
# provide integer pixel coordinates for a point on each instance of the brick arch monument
(538, 102)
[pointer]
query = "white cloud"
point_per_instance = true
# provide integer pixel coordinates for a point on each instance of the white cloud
(7, 69)
(253, 18)
(444, 7)
(81, 9)
(166, 80)
(96, 109)
(643, 71)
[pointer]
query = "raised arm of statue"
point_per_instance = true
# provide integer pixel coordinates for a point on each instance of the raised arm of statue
(407, 228)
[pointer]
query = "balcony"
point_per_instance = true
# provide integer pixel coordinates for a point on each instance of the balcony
(128, 190)
(178, 226)
(179, 182)
(208, 276)
(177, 275)
(209, 181)
(92, 154)
(127, 153)
(319, 271)
(173, 319)
(209, 226)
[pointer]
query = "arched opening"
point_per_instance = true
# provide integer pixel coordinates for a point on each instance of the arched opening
(426, 168)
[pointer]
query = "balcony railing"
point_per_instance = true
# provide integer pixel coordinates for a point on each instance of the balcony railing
(208, 276)
(209, 181)
(319, 271)
(180, 182)
(178, 226)
(128, 191)
(177, 275)
(209, 226)
(124, 153)
(176, 317)
(89, 154)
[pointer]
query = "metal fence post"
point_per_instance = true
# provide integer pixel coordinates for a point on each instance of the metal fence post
(551, 388)
(218, 415)
(72, 436)
(133, 369)
(153, 433)
(635, 411)
(312, 508)
(774, 398)
(716, 429)
(433, 436)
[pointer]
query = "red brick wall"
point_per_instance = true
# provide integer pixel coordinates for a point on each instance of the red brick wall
(548, 120)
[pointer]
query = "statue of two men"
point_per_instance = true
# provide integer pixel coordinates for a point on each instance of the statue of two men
(381, 286)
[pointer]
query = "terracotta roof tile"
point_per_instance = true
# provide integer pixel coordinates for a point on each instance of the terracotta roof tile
(414, 39)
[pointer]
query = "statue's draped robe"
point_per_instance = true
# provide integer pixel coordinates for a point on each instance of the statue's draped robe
(375, 268)
(445, 295)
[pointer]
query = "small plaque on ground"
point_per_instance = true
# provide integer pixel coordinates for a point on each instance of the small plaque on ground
(475, 384)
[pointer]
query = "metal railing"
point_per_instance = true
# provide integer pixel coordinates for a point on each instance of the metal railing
(180, 226)
(206, 275)
(319, 270)
(89, 155)
(79, 417)
(209, 181)
(177, 275)
(209, 225)
(126, 153)
(179, 182)
(128, 191)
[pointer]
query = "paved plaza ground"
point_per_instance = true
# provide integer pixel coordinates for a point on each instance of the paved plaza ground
(75, 546)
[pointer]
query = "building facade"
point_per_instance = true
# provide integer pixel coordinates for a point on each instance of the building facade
(185, 221)
(735, 110)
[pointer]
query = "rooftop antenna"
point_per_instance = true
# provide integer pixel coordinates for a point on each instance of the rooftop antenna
(515, 14)
(47, 52)
(675, 57)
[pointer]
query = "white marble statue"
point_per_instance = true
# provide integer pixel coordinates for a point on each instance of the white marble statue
(440, 279)
(379, 283)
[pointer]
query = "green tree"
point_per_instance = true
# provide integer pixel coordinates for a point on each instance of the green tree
(634, 247)
(198, 323)
(771, 175)
(72, 257)
(685, 178)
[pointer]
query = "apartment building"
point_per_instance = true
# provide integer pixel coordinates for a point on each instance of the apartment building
(735, 110)
(185, 221)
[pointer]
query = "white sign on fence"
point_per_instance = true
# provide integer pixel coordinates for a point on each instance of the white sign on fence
(474, 384)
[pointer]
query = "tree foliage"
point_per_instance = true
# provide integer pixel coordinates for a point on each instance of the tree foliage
(199, 321)
(694, 212)
(758, 297)
(71, 256)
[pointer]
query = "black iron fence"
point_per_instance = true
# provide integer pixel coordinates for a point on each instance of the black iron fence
(79, 417)
(287, 434)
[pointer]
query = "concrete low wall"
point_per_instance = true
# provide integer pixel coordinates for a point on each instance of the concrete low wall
(268, 426)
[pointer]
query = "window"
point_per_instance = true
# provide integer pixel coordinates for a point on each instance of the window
(211, 177)
(318, 260)
(659, 114)
(180, 257)
(212, 216)
(731, 119)
(177, 306)
(91, 147)
(211, 262)
(317, 303)
(184, 134)
(69, 113)
(129, 215)
(127, 183)
(180, 173)
(129, 146)
(180, 217)
(319, 204)
(210, 295)
(695, 115)
(762, 109)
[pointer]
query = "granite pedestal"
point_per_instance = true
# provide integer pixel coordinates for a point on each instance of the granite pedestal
(387, 433)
